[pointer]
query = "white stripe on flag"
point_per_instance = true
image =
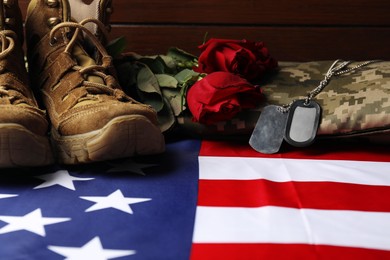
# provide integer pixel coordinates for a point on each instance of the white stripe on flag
(288, 225)
(282, 170)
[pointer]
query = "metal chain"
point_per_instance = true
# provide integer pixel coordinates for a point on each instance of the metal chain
(333, 71)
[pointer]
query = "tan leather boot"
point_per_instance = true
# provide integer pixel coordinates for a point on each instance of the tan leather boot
(92, 118)
(23, 126)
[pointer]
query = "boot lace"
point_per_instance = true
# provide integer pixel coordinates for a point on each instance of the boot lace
(106, 84)
(7, 43)
(9, 94)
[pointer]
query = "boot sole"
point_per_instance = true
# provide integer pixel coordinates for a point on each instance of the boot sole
(20, 147)
(123, 136)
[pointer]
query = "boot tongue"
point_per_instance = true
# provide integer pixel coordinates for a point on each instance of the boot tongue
(85, 61)
(82, 9)
(78, 52)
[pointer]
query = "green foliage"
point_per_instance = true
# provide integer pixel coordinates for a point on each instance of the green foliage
(161, 81)
(116, 47)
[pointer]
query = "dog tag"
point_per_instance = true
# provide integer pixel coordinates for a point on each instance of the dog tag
(302, 123)
(267, 137)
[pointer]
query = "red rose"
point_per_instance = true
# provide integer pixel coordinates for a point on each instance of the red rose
(219, 96)
(246, 58)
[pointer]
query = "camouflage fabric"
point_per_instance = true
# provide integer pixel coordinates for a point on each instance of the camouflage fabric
(356, 103)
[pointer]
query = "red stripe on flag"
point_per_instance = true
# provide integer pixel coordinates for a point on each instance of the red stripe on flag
(317, 195)
(288, 195)
(331, 150)
(282, 251)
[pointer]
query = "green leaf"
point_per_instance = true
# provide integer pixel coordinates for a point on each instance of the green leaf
(149, 89)
(179, 54)
(167, 81)
(169, 63)
(166, 117)
(156, 65)
(186, 75)
(116, 46)
(147, 81)
(175, 100)
(183, 59)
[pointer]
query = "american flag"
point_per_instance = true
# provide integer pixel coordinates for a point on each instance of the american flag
(203, 200)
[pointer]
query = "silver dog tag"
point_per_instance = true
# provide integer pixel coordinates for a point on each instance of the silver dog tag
(302, 123)
(267, 137)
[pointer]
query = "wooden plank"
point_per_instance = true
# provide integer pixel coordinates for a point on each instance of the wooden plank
(292, 30)
(324, 12)
(250, 12)
(284, 43)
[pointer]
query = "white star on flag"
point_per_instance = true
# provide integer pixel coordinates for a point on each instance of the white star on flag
(92, 250)
(62, 178)
(33, 222)
(5, 196)
(115, 200)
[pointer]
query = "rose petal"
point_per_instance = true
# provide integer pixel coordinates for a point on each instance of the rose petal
(248, 59)
(220, 96)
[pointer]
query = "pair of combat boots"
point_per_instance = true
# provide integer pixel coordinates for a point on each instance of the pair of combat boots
(71, 78)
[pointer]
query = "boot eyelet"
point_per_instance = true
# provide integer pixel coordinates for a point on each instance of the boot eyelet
(8, 3)
(10, 21)
(53, 21)
(52, 3)
(53, 41)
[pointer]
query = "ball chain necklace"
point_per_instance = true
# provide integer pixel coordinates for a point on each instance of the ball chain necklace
(297, 122)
